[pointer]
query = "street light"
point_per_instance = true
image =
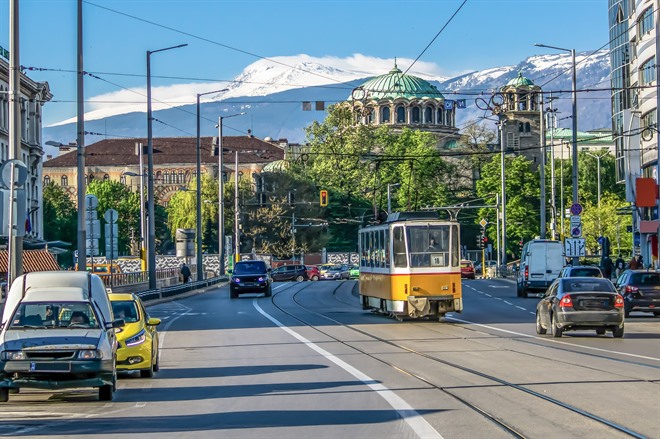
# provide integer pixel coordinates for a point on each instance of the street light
(150, 174)
(221, 203)
(389, 196)
(503, 194)
(574, 117)
(200, 264)
(142, 225)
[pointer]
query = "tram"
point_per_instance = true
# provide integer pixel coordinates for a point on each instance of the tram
(410, 266)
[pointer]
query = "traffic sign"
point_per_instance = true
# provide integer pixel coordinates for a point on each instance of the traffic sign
(111, 216)
(483, 222)
(20, 173)
(574, 247)
(576, 230)
(576, 219)
(576, 208)
(94, 229)
(91, 202)
(92, 247)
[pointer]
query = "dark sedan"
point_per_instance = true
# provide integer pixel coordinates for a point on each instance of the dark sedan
(576, 303)
(640, 290)
(250, 277)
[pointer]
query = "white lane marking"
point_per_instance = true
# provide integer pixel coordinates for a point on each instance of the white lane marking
(498, 298)
(520, 307)
(508, 303)
(489, 295)
(419, 425)
(498, 286)
(552, 340)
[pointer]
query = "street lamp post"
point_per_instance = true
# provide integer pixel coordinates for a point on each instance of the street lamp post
(237, 244)
(200, 263)
(150, 175)
(574, 117)
(597, 157)
(503, 189)
(389, 196)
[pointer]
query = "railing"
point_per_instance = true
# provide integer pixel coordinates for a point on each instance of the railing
(176, 290)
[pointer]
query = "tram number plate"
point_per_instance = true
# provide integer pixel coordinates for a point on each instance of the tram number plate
(437, 259)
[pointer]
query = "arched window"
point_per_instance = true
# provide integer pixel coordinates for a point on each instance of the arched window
(122, 179)
(46, 180)
(400, 114)
(188, 176)
(166, 177)
(91, 178)
(528, 127)
(106, 177)
(428, 115)
(64, 180)
(371, 116)
(441, 116)
(385, 114)
(521, 127)
(522, 102)
(449, 117)
(416, 115)
(181, 178)
(159, 177)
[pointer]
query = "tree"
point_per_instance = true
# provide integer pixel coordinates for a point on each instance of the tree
(60, 215)
(118, 196)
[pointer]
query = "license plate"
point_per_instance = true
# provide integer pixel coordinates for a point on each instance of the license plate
(250, 284)
(49, 367)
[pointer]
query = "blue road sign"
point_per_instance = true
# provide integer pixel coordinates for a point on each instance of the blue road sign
(576, 209)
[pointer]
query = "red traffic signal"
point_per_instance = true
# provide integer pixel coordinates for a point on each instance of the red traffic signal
(323, 198)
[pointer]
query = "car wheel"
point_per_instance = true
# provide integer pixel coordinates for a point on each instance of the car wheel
(600, 331)
(617, 332)
(523, 293)
(4, 394)
(539, 328)
(518, 290)
(656, 313)
(626, 313)
(157, 364)
(315, 278)
(299, 278)
(106, 393)
(147, 373)
(269, 292)
(232, 294)
(556, 330)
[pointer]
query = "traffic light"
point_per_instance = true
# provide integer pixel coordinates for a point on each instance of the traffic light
(520, 243)
(484, 242)
(481, 240)
(323, 198)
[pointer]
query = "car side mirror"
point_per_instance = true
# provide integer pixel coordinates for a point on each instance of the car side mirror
(269, 270)
(153, 321)
(117, 323)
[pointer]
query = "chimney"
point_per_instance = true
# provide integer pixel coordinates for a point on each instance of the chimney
(250, 133)
(48, 157)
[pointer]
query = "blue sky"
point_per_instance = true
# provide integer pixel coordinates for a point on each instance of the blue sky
(117, 34)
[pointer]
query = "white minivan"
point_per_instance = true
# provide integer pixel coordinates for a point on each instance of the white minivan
(540, 264)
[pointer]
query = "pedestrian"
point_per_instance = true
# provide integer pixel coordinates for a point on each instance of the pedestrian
(185, 273)
(619, 265)
(634, 262)
(607, 267)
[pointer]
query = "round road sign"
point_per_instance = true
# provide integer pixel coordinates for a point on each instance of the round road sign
(576, 209)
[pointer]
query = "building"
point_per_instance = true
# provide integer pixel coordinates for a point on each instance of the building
(174, 162)
(559, 142)
(33, 96)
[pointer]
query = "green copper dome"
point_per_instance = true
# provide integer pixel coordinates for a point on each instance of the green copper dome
(520, 81)
(277, 166)
(396, 84)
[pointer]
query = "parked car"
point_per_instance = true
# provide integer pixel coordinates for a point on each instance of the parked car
(138, 339)
(581, 271)
(313, 272)
(250, 277)
(640, 290)
(354, 272)
(336, 272)
(540, 264)
(467, 269)
(576, 303)
(297, 272)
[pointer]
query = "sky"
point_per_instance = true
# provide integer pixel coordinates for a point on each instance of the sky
(223, 37)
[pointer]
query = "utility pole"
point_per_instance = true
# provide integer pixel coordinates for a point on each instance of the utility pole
(542, 170)
(80, 149)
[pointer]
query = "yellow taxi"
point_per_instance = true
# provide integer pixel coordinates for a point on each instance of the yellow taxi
(138, 339)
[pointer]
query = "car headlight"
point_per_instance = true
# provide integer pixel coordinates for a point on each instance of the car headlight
(137, 339)
(12, 355)
(236, 280)
(90, 354)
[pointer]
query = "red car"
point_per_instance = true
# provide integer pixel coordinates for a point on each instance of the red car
(467, 269)
(312, 272)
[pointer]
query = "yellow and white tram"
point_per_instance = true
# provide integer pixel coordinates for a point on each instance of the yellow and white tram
(410, 265)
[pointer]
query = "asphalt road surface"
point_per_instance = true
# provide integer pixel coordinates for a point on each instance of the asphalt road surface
(310, 363)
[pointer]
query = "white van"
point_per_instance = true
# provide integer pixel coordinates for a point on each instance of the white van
(57, 331)
(540, 264)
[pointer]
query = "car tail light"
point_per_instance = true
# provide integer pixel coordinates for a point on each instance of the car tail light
(618, 302)
(631, 289)
(526, 272)
(566, 301)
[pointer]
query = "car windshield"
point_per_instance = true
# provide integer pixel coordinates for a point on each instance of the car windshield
(256, 267)
(125, 309)
(335, 268)
(573, 285)
(645, 279)
(586, 272)
(54, 315)
(466, 264)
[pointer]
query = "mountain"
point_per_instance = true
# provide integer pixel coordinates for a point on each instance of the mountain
(272, 95)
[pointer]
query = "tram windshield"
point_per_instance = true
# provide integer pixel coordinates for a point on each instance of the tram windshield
(429, 246)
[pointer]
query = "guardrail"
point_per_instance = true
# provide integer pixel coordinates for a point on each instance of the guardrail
(175, 290)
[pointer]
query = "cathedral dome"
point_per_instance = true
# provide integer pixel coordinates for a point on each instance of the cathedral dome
(395, 84)
(278, 166)
(520, 81)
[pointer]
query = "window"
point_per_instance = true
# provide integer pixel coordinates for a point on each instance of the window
(385, 114)
(166, 177)
(415, 115)
(181, 177)
(528, 127)
(521, 127)
(399, 247)
(428, 115)
(122, 179)
(46, 180)
(647, 72)
(429, 246)
(645, 22)
(441, 116)
(648, 122)
(400, 114)
(64, 180)
(512, 141)
(106, 177)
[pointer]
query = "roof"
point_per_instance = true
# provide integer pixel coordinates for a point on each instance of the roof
(396, 84)
(33, 260)
(520, 81)
(588, 138)
(121, 297)
(277, 166)
(64, 294)
(170, 150)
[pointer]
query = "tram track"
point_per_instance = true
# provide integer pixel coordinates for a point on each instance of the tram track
(446, 390)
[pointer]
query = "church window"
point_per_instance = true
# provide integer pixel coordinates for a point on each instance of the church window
(106, 177)
(528, 127)
(522, 101)
(428, 115)
(415, 115)
(385, 114)
(521, 127)
(159, 176)
(400, 114)
(46, 180)
(64, 180)
(122, 179)
(441, 116)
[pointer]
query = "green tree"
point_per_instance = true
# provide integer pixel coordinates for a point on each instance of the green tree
(60, 215)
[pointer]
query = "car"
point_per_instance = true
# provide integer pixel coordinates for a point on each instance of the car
(295, 272)
(336, 272)
(354, 272)
(137, 348)
(313, 272)
(640, 290)
(467, 269)
(578, 303)
(250, 277)
(581, 271)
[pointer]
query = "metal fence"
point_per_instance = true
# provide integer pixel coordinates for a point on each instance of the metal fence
(176, 290)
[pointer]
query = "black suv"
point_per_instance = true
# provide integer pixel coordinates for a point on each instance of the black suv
(640, 290)
(290, 272)
(250, 277)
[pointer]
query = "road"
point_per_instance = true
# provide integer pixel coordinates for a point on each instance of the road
(309, 362)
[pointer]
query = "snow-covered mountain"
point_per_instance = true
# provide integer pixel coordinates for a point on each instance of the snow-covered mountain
(271, 92)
